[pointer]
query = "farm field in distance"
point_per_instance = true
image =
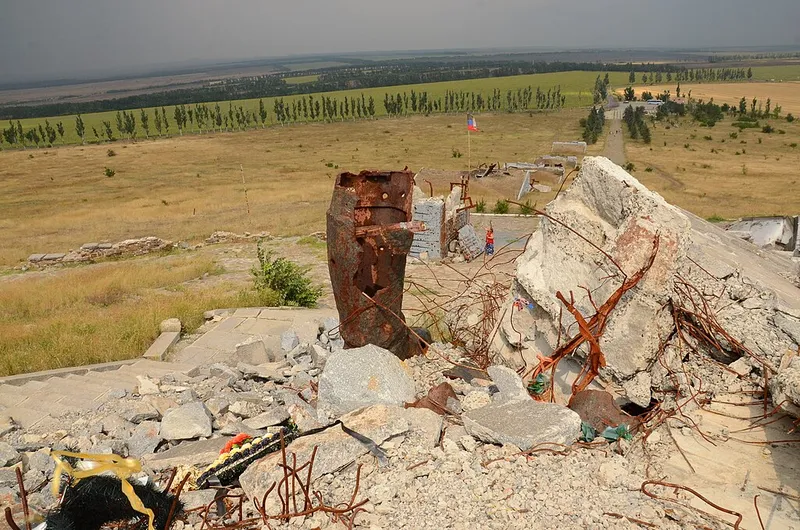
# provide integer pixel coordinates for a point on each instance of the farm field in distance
(576, 86)
(721, 171)
(787, 95)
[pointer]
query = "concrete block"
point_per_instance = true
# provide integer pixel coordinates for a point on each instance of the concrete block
(158, 350)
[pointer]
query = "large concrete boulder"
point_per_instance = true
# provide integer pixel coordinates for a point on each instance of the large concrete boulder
(753, 299)
(360, 377)
(524, 423)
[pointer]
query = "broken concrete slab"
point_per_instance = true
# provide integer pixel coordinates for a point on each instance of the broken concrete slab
(271, 417)
(360, 377)
(335, 448)
(188, 421)
(509, 384)
(200, 454)
(776, 232)
(523, 423)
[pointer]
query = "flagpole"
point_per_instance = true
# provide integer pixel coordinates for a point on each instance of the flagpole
(469, 152)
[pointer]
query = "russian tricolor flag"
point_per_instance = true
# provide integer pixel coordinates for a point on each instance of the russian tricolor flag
(471, 125)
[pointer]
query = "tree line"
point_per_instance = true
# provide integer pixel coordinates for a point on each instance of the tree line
(340, 78)
(697, 75)
(206, 117)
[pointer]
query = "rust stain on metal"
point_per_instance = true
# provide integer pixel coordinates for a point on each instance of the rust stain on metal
(369, 236)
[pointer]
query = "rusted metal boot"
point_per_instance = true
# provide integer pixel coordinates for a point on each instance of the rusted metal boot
(369, 236)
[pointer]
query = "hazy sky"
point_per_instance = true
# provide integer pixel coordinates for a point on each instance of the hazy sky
(50, 38)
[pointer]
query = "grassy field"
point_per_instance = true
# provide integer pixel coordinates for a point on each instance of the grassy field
(576, 86)
(185, 188)
(712, 174)
(787, 95)
(104, 312)
(301, 79)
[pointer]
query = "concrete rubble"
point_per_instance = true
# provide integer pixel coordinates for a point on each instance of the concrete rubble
(479, 464)
(696, 263)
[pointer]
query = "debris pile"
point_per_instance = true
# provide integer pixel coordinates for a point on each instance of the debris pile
(93, 251)
(379, 461)
(701, 297)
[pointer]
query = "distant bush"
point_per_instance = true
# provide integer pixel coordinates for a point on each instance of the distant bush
(286, 279)
(457, 153)
(109, 172)
(648, 170)
(767, 129)
(501, 206)
(734, 135)
(480, 207)
(526, 209)
(789, 117)
(111, 152)
(630, 167)
(707, 138)
(742, 124)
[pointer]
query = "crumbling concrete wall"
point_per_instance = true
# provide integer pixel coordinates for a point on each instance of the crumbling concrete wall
(431, 212)
(613, 211)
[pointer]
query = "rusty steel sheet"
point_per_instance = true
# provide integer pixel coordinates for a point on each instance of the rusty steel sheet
(369, 236)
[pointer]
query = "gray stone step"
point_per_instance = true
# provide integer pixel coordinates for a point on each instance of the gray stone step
(121, 380)
(10, 396)
(32, 386)
(27, 417)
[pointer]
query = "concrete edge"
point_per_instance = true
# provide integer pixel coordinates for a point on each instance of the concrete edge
(158, 350)
(21, 379)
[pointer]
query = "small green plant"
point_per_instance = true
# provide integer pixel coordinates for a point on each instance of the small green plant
(767, 129)
(286, 279)
(707, 138)
(526, 208)
(538, 386)
(793, 145)
(457, 153)
(744, 169)
(780, 131)
(630, 167)
(111, 152)
(734, 135)
(789, 117)
(686, 146)
(648, 170)
(109, 172)
(501, 206)
(480, 207)
(715, 219)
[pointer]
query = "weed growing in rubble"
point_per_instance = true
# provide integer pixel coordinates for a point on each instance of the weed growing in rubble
(481, 206)
(526, 209)
(630, 167)
(715, 219)
(501, 206)
(286, 279)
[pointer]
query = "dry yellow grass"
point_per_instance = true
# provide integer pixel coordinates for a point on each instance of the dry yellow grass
(723, 176)
(52, 200)
(104, 312)
(787, 95)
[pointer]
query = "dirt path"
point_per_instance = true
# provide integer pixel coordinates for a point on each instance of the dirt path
(615, 148)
